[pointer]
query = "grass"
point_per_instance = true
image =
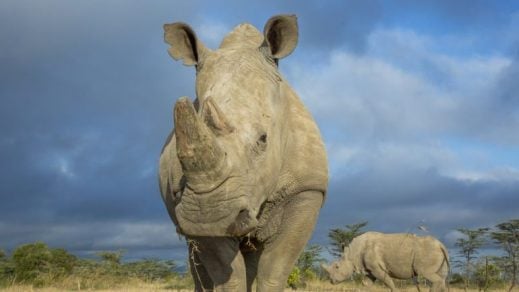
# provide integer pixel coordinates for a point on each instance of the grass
(184, 284)
(322, 286)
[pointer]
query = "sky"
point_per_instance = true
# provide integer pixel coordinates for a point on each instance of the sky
(417, 102)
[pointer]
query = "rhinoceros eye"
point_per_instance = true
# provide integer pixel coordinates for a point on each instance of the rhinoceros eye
(263, 138)
(261, 144)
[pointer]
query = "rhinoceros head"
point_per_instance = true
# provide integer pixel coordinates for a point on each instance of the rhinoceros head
(230, 141)
(338, 271)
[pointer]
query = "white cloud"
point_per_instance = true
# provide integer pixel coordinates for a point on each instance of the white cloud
(394, 105)
(212, 33)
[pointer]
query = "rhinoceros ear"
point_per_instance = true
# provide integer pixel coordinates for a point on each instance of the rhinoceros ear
(184, 43)
(281, 35)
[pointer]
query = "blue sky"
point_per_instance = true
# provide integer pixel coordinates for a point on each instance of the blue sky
(418, 104)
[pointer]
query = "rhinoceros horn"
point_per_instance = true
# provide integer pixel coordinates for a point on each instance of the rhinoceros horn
(325, 267)
(202, 159)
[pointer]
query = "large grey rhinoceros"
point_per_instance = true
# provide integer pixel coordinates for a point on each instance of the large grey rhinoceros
(400, 256)
(244, 172)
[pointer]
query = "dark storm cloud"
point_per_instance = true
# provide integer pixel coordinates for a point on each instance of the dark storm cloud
(323, 25)
(402, 200)
(333, 24)
(84, 88)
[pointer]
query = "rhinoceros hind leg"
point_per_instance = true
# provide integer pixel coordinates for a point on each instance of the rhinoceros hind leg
(438, 283)
(280, 254)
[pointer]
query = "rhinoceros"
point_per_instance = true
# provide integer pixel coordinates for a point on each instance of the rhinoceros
(244, 173)
(386, 256)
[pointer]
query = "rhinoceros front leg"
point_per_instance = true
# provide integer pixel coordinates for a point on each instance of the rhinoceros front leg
(381, 274)
(200, 276)
(280, 254)
(221, 258)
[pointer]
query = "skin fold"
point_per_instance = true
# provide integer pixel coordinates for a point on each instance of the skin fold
(243, 174)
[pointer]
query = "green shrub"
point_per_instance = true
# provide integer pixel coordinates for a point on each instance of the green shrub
(487, 275)
(36, 264)
(61, 262)
(6, 269)
(457, 279)
(31, 261)
(150, 269)
(294, 279)
(111, 257)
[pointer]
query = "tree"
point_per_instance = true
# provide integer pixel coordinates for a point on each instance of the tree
(61, 262)
(150, 269)
(310, 258)
(340, 238)
(487, 274)
(111, 257)
(35, 263)
(6, 269)
(306, 266)
(469, 244)
(507, 236)
(30, 261)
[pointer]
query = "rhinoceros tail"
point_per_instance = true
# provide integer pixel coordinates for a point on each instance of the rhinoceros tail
(446, 256)
(445, 262)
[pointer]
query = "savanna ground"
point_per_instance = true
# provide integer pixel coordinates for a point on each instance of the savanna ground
(184, 284)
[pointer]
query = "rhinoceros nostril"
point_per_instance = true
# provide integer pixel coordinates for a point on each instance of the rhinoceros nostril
(243, 223)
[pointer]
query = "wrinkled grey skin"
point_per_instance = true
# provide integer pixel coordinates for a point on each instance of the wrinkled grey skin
(244, 172)
(386, 256)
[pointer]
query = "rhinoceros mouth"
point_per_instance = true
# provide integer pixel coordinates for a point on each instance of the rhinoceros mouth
(224, 212)
(237, 222)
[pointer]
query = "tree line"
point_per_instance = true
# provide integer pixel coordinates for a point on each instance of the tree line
(38, 265)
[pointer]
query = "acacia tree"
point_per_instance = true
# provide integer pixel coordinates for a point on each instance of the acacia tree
(30, 261)
(309, 259)
(6, 268)
(469, 244)
(111, 257)
(340, 238)
(507, 236)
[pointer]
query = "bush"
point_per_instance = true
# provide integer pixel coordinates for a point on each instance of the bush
(150, 269)
(61, 262)
(36, 264)
(457, 279)
(31, 261)
(294, 279)
(111, 257)
(6, 269)
(487, 275)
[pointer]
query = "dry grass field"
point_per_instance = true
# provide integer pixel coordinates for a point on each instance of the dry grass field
(137, 285)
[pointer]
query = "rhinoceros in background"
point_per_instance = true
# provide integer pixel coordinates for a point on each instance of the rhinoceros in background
(244, 172)
(400, 256)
